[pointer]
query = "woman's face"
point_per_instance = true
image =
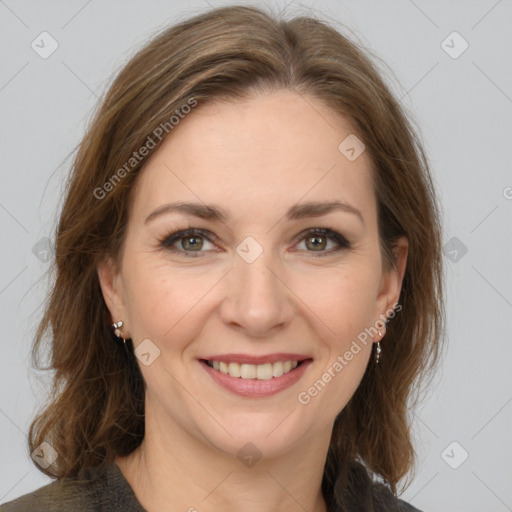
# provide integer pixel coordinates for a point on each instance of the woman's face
(255, 282)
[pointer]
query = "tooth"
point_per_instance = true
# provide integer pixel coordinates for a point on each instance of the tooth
(264, 371)
(248, 371)
(234, 369)
(251, 371)
(278, 369)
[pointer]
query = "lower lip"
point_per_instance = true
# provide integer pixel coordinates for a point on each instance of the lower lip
(256, 388)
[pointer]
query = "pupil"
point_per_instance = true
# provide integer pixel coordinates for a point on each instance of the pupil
(196, 242)
(316, 244)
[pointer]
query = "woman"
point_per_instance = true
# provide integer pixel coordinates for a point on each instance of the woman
(248, 281)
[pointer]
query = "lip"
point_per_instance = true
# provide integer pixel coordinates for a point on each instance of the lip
(255, 388)
(248, 359)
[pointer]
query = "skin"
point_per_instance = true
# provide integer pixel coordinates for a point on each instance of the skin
(255, 158)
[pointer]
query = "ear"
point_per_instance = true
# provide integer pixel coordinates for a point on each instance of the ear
(391, 282)
(111, 284)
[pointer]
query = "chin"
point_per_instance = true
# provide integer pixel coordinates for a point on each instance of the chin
(266, 435)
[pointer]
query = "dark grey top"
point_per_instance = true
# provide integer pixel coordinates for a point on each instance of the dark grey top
(93, 490)
(107, 490)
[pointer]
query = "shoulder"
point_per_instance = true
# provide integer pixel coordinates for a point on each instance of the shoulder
(385, 501)
(356, 489)
(57, 496)
(92, 490)
(407, 507)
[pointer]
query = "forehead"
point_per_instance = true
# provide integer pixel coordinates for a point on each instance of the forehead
(257, 155)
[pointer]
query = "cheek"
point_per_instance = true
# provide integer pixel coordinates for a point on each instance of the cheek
(343, 299)
(345, 306)
(345, 352)
(160, 298)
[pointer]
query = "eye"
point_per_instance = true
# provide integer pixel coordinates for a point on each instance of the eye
(189, 240)
(317, 240)
(193, 240)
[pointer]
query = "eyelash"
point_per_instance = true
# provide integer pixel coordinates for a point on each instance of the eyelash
(171, 238)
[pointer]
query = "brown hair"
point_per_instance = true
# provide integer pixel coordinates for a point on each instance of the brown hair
(96, 409)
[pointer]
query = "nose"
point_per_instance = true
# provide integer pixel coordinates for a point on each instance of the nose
(257, 300)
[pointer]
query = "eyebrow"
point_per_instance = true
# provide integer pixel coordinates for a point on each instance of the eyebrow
(216, 213)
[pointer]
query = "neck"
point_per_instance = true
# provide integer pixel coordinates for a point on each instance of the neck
(173, 470)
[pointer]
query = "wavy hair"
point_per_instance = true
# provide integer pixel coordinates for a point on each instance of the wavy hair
(96, 407)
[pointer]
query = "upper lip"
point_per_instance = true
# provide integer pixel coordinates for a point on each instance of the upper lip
(248, 359)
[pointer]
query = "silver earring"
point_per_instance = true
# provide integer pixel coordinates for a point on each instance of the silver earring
(118, 331)
(379, 350)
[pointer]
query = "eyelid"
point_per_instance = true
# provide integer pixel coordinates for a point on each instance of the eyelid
(175, 235)
(331, 233)
(328, 232)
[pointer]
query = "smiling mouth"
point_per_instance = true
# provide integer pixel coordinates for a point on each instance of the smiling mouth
(264, 371)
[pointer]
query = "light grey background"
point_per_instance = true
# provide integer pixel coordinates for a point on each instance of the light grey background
(463, 107)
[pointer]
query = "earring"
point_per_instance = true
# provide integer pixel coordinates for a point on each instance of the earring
(379, 350)
(118, 331)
